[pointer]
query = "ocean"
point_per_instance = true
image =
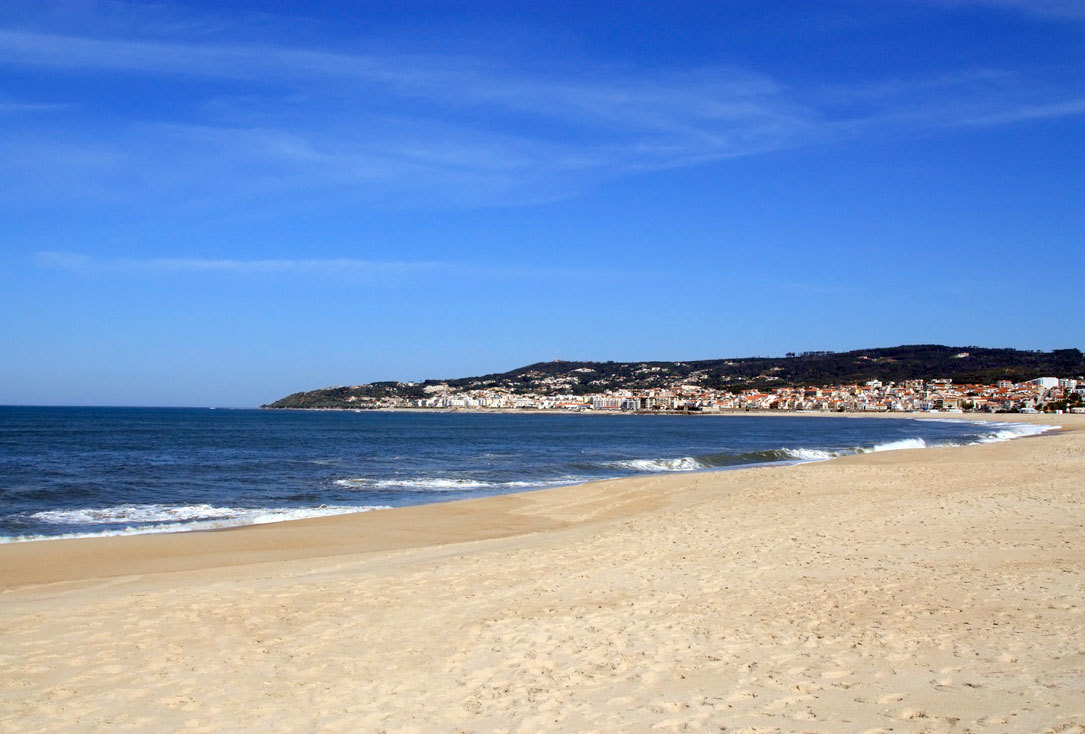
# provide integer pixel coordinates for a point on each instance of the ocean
(72, 472)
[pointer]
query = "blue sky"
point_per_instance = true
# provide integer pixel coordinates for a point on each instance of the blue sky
(221, 203)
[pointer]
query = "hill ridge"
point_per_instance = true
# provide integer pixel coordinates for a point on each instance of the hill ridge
(888, 364)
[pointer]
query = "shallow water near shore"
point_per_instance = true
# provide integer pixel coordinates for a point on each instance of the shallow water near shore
(106, 471)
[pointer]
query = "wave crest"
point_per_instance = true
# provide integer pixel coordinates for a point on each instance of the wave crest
(685, 463)
(446, 484)
(1009, 431)
(904, 443)
(802, 454)
(145, 519)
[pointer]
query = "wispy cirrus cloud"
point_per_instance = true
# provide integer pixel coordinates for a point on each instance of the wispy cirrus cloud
(602, 98)
(1058, 9)
(9, 106)
(457, 128)
(337, 267)
(86, 263)
(1026, 113)
(249, 120)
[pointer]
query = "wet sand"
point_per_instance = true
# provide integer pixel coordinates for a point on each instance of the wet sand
(925, 590)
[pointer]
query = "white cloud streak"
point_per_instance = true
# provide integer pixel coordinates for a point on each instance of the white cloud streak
(18, 107)
(456, 129)
(1056, 9)
(1027, 113)
(451, 127)
(662, 102)
(340, 267)
(330, 266)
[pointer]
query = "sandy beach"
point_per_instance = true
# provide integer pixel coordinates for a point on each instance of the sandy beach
(934, 590)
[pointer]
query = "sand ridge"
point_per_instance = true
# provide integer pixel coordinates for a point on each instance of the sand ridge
(927, 591)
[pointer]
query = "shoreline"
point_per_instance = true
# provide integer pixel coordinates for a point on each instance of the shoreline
(377, 531)
(781, 463)
(912, 590)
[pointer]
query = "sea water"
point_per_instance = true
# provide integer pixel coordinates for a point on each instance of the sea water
(105, 471)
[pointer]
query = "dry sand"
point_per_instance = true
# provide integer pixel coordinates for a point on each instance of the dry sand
(938, 590)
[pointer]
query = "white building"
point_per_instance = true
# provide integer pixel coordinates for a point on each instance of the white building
(1045, 382)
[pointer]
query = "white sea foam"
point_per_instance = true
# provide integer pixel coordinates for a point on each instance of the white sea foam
(445, 484)
(1008, 431)
(686, 463)
(904, 443)
(1003, 435)
(435, 484)
(122, 514)
(358, 483)
(1005, 431)
(143, 519)
(810, 454)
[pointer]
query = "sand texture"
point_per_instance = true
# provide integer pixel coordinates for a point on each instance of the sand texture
(938, 590)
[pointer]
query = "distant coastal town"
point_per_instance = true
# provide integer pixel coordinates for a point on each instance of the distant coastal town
(1043, 394)
(908, 378)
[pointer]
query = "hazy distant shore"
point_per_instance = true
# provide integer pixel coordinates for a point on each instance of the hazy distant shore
(933, 590)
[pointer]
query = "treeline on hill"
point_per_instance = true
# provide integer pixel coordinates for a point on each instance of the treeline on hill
(892, 364)
(339, 397)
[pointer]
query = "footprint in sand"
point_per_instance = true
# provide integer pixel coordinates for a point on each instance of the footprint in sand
(741, 696)
(910, 714)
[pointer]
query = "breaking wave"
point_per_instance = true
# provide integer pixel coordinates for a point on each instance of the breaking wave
(445, 484)
(799, 455)
(809, 454)
(1009, 431)
(685, 463)
(904, 443)
(144, 519)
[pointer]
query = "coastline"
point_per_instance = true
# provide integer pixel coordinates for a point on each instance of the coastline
(254, 552)
(53, 560)
(905, 588)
